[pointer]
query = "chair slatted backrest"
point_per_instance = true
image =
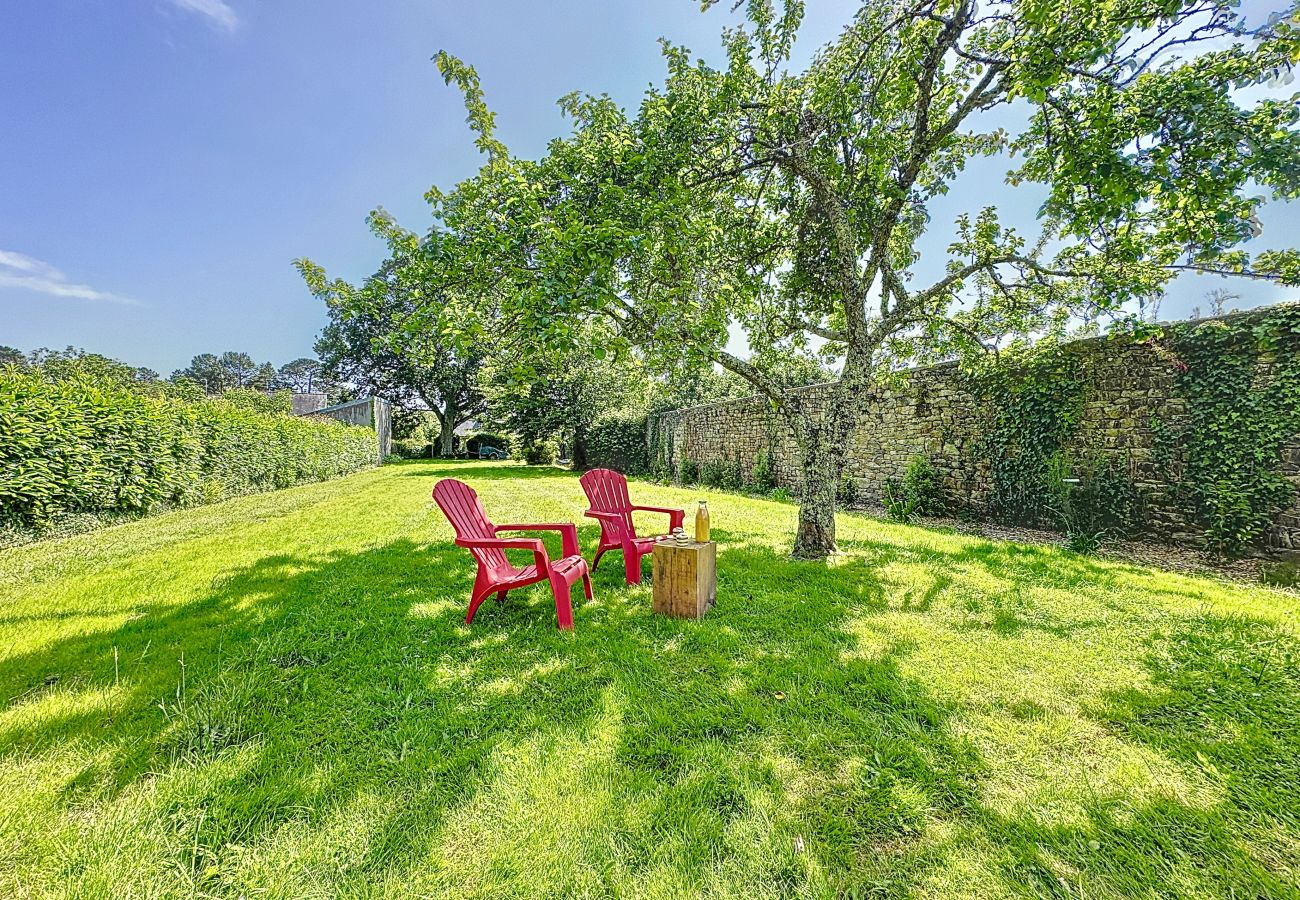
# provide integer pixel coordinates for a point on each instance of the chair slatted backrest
(469, 520)
(606, 491)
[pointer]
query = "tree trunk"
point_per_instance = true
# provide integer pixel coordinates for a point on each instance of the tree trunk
(823, 444)
(579, 455)
(823, 464)
(446, 445)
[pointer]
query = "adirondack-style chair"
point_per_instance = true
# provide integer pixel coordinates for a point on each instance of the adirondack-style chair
(606, 492)
(496, 574)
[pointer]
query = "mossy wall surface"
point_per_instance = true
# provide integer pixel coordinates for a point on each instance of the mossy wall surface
(1196, 419)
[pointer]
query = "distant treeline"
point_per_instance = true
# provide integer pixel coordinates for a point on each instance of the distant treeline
(213, 373)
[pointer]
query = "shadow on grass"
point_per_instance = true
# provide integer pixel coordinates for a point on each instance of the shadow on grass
(1225, 703)
(478, 470)
(309, 684)
(764, 741)
(1005, 609)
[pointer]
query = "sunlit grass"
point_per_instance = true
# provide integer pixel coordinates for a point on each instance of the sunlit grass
(277, 697)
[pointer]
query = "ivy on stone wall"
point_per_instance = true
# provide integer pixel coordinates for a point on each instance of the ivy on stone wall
(1186, 431)
(1242, 385)
(659, 446)
(1035, 404)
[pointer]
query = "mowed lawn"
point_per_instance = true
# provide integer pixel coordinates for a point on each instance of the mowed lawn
(277, 696)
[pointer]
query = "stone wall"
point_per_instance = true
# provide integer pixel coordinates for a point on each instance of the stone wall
(1129, 390)
(303, 404)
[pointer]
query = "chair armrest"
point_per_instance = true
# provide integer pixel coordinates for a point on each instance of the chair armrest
(676, 515)
(539, 549)
(568, 533)
(620, 524)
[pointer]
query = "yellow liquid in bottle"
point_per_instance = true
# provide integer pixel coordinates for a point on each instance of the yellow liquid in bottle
(702, 523)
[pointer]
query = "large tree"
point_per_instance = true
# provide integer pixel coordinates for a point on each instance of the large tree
(791, 203)
(368, 346)
(204, 370)
(232, 369)
(540, 395)
(239, 369)
(302, 375)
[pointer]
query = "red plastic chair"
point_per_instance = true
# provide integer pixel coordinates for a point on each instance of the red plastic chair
(496, 574)
(606, 491)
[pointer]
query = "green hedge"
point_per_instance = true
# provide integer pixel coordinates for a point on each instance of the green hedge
(411, 448)
(619, 444)
(80, 446)
(474, 442)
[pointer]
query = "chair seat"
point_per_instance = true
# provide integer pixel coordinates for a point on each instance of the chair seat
(569, 568)
(526, 575)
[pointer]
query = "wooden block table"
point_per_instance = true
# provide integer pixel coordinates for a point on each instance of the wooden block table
(685, 579)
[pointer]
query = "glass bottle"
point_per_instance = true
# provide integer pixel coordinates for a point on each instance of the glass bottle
(702, 523)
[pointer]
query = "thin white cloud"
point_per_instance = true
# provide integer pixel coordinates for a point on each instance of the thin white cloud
(28, 274)
(12, 260)
(217, 12)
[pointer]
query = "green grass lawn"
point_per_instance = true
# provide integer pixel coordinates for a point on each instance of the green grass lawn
(277, 696)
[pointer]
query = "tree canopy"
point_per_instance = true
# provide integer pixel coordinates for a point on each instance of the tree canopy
(302, 375)
(73, 362)
(790, 204)
(232, 369)
(367, 346)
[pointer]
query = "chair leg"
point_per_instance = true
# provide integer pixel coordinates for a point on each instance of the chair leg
(632, 566)
(501, 596)
(563, 605)
(475, 600)
(595, 562)
(586, 586)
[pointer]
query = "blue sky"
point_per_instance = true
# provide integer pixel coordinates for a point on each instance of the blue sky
(163, 161)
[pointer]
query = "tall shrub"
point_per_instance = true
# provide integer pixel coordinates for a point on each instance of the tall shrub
(87, 446)
(620, 444)
(763, 475)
